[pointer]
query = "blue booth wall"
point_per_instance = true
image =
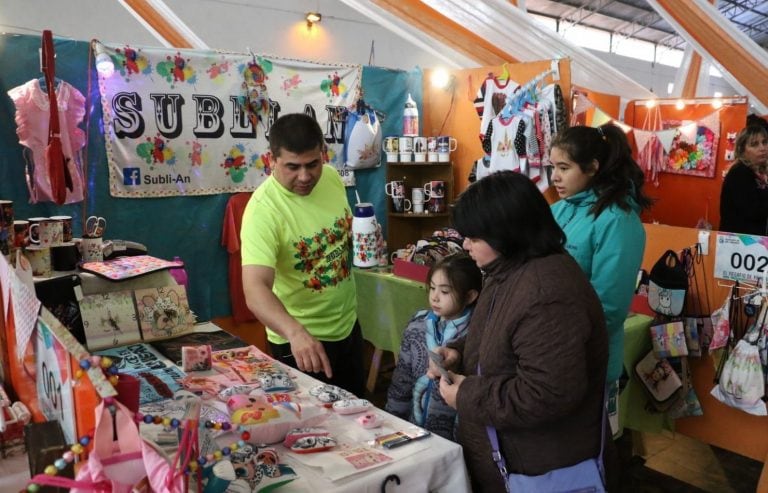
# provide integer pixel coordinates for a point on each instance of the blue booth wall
(188, 227)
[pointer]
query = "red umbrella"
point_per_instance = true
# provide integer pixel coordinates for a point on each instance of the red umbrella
(54, 154)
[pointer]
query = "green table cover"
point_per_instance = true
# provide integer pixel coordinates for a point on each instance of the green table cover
(385, 304)
(632, 401)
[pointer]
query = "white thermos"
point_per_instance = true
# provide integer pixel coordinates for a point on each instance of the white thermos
(364, 242)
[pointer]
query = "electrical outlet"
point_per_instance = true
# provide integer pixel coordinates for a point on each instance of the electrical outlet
(704, 242)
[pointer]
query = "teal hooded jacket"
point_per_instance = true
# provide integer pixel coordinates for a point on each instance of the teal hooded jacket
(609, 250)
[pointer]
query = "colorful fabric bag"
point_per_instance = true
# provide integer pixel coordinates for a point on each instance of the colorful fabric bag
(362, 138)
(668, 285)
(660, 381)
(669, 340)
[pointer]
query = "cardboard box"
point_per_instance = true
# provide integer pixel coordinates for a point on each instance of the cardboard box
(410, 270)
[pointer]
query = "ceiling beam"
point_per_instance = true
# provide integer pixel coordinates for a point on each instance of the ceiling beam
(447, 32)
(163, 23)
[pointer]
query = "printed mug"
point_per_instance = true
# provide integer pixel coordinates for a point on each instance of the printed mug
(21, 234)
(395, 188)
(6, 213)
(434, 188)
(445, 146)
(91, 249)
(390, 144)
(40, 259)
(419, 145)
(406, 144)
(436, 205)
(46, 233)
(66, 227)
(33, 232)
(400, 204)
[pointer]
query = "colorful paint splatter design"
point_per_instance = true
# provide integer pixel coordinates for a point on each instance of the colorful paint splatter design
(323, 257)
(156, 151)
(130, 61)
(176, 69)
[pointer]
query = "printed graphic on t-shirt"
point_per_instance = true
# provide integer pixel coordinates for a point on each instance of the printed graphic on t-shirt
(324, 257)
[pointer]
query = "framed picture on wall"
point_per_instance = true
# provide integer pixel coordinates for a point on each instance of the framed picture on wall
(694, 148)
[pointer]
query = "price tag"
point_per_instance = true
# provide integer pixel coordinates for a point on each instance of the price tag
(741, 257)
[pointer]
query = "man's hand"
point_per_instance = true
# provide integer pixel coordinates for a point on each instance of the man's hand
(309, 354)
(451, 359)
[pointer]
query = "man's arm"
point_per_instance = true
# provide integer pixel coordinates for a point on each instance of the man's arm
(257, 287)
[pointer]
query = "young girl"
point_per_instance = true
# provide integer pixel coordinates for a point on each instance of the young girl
(454, 284)
(601, 188)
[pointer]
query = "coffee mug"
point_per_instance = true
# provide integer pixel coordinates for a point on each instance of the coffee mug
(446, 144)
(400, 204)
(33, 234)
(6, 213)
(419, 145)
(395, 188)
(390, 145)
(91, 249)
(434, 188)
(406, 144)
(417, 195)
(46, 233)
(436, 205)
(415, 207)
(66, 227)
(40, 259)
(64, 257)
(21, 233)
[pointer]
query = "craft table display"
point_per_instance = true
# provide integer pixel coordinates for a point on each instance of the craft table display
(356, 463)
(385, 304)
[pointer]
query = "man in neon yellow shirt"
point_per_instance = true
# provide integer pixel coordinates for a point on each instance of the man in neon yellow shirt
(295, 243)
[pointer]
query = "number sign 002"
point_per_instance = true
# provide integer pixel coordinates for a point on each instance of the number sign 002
(741, 257)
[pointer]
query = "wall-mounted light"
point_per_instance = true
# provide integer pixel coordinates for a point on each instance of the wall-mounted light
(680, 104)
(442, 79)
(650, 103)
(104, 64)
(313, 18)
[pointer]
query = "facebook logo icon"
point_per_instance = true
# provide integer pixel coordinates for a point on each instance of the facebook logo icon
(131, 176)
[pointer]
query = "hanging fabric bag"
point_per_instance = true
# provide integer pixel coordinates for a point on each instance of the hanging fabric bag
(668, 285)
(362, 138)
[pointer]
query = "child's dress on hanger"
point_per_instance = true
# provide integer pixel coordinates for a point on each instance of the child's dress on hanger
(32, 120)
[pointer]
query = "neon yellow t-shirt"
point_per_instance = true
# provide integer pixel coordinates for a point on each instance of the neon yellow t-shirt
(307, 240)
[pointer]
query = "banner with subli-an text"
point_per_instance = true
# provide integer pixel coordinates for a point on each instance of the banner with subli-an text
(190, 122)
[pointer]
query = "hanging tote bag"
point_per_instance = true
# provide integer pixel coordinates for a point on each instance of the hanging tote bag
(362, 139)
(668, 285)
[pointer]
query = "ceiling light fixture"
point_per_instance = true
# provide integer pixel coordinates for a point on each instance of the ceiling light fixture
(313, 18)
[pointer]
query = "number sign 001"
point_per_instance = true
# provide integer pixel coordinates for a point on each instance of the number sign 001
(741, 257)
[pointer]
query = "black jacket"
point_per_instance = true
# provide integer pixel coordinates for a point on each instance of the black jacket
(743, 204)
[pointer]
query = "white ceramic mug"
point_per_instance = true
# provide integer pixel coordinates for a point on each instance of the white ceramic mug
(46, 233)
(91, 249)
(420, 145)
(40, 259)
(417, 195)
(405, 144)
(390, 144)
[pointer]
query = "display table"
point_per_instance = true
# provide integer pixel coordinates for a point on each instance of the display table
(385, 304)
(430, 464)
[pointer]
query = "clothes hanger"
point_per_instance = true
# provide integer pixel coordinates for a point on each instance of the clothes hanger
(504, 77)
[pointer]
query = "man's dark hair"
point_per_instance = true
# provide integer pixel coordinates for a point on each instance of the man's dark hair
(297, 133)
(507, 211)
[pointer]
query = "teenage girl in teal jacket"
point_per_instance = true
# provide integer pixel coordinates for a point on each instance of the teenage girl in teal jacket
(601, 188)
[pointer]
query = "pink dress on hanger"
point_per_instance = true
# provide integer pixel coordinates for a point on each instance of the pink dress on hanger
(32, 120)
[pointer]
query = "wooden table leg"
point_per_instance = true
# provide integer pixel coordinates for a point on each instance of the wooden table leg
(373, 373)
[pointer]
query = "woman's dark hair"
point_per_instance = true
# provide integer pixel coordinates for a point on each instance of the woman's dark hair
(618, 176)
(462, 273)
(746, 135)
(297, 133)
(507, 211)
